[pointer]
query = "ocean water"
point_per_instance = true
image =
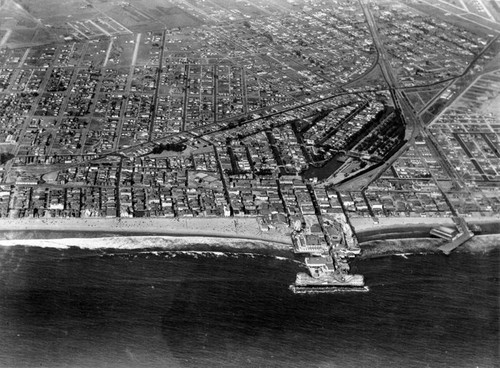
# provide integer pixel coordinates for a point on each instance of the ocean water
(140, 308)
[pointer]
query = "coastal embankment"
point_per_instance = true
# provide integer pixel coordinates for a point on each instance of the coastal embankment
(408, 246)
(411, 235)
(413, 227)
(396, 227)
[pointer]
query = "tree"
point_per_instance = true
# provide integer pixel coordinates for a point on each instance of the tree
(6, 156)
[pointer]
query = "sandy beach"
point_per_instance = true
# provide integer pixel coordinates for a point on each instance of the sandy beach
(410, 235)
(234, 228)
(413, 227)
(389, 236)
(381, 248)
(362, 224)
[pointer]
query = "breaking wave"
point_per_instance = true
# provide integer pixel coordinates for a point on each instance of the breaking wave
(197, 254)
(162, 246)
(138, 242)
(420, 246)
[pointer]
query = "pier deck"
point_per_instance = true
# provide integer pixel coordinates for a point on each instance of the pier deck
(455, 243)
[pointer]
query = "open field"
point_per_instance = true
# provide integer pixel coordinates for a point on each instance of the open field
(48, 8)
(84, 20)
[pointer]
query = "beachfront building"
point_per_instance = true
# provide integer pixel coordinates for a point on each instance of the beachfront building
(444, 232)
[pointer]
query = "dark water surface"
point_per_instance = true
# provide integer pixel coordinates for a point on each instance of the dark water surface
(76, 308)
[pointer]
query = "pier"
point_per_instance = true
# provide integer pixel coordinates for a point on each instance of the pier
(328, 262)
(463, 235)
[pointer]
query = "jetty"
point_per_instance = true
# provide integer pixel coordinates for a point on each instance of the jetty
(455, 238)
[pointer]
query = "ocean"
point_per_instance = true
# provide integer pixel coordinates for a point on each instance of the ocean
(155, 308)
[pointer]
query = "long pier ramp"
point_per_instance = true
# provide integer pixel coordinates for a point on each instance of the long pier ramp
(454, 244)
(465, 235)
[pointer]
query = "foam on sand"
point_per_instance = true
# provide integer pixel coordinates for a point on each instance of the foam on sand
(142, 242)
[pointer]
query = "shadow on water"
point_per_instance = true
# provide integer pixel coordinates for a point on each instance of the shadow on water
(328, 168)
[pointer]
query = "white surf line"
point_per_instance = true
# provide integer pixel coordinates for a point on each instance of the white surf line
(108, 52)
(136, 48)
(5, 37)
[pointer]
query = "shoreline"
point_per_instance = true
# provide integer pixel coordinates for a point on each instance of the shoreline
(386, 239)
(413, 246)
(414, 228)
(242, 229)
(141, 244)
(234, 227)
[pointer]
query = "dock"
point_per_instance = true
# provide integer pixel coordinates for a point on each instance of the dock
(327, 262)
(464, 234)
